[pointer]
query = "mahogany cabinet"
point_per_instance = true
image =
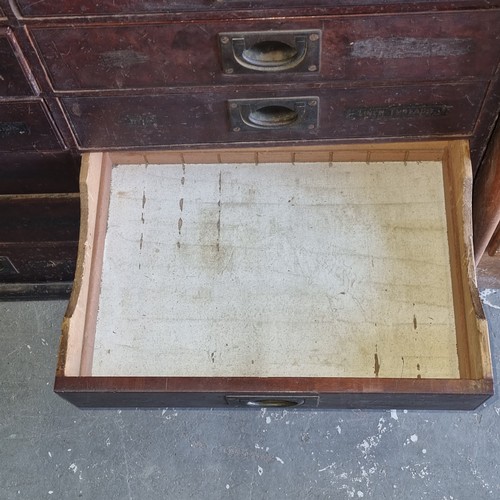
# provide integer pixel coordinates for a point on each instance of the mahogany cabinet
(79, 76)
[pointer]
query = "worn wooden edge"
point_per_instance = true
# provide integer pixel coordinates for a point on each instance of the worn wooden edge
(54, 290)
(397, 151)
(472, 328)
(23, 198)
(494, 244)
(486, 199)
(453, 221)
(96, 256)
(74, 318)
(154, 392)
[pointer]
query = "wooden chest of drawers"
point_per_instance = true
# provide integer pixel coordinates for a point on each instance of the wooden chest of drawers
(133, 75)
(326, 277)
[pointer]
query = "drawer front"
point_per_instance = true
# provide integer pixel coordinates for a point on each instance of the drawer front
(34, 262)
(32, 173)
(38, 237)
(112, 7)
(141, 121)
(430, 47)
(25, 126)
(13, 81)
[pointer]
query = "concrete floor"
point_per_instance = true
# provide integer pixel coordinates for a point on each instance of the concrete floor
(49, 449)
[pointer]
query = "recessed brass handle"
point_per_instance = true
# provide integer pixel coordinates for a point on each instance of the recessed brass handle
(274, 403)
(271, 117)
(270, 55)
(295, 113)
(270, 51)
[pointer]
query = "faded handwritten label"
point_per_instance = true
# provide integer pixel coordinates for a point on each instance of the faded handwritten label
(144, 120)
(398, 111)
(403, 47)
(122, 58)
(8, 129)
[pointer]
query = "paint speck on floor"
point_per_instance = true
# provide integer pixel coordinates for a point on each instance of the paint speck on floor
(260, 470)
(394, 415)
(414, 438)
(486, 293)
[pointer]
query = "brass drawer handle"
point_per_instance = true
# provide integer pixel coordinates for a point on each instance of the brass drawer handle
(272, 54)
(271, 401)
(271, 117)
(274, 403)
(297, 113)
(270, 51)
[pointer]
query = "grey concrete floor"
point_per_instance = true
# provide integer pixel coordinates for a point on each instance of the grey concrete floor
(50, 449)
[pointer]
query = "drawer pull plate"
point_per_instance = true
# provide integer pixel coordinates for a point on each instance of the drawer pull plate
(270, 51)
(298, 113)
(272, 401)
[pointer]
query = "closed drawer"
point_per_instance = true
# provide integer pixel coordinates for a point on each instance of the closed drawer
(13, 81)
(127, 122)
(82, 8)
(423, 47)
(37, 173)
(26, 126)
(90, 7)
(328, 276)
(38, 237)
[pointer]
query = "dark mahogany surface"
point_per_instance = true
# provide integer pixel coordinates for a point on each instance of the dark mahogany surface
(403, 48)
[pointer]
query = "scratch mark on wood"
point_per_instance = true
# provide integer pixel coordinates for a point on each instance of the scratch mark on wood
(414, 322)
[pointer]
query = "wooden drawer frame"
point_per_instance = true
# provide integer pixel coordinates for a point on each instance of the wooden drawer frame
(472, 388)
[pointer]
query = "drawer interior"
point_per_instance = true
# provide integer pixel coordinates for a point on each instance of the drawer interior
(314, 269)
(320, 262)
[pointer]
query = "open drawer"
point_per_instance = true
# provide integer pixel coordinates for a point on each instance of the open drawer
(323, 276)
